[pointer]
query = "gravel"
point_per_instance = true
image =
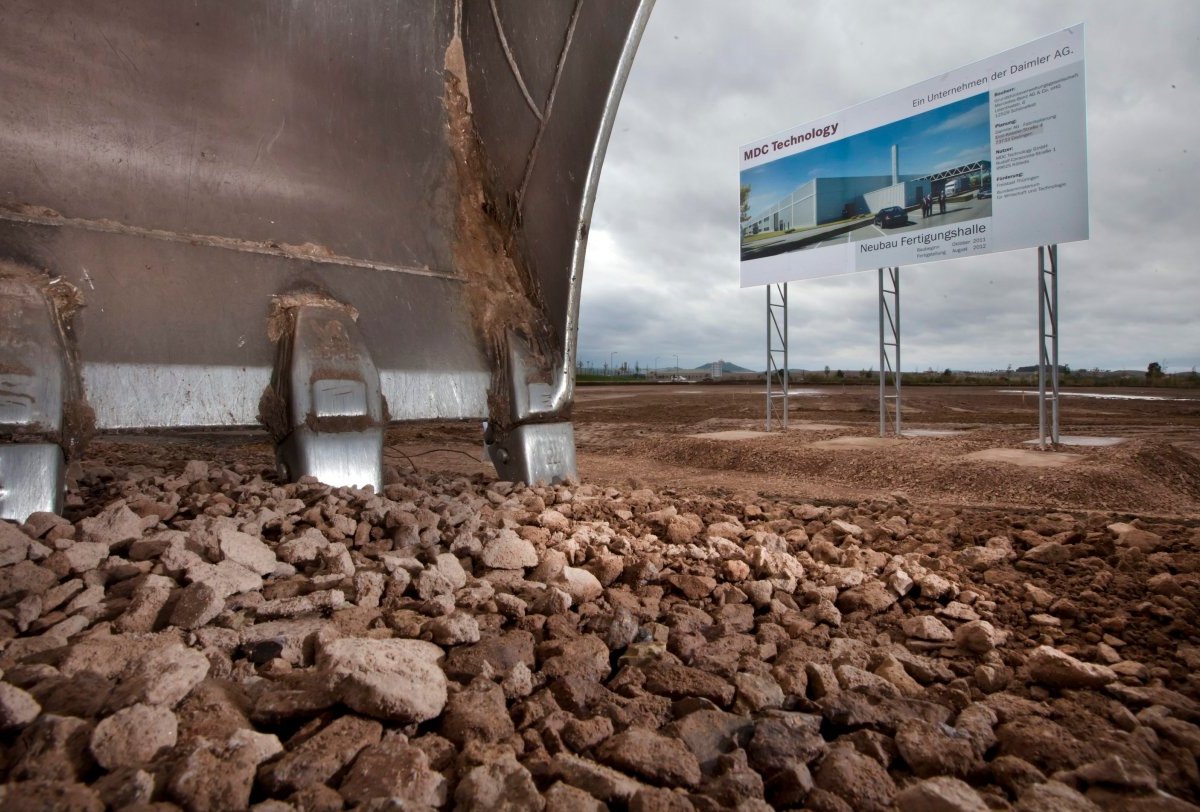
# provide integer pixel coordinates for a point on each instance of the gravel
(204, 636)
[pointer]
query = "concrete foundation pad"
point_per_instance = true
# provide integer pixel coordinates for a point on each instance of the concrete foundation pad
(931, 432)
(816, 426)
(736, 434)
(841, 443)
(1019, 456)
(1087, 442)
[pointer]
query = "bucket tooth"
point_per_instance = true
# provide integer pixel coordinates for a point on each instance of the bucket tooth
(534, 452)
(43, 417)
(324, 407)
(533, 443)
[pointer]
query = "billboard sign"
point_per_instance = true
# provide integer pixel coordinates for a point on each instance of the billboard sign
(989, 157)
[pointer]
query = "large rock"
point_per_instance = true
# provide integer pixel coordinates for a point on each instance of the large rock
(1045, 744)
(500, 653)
(389, 679)
(112, 528)
(1052, 667)
(82, 556)
(52, 748)
(502, 785)
(1130, 536)
(756, 692)
(1115, 771)
(580, 584)
(508, 551)
(782, 741)
(248, 551)
(228, 577)
(320, 758)
(25, 578)
(709, 734)
(927, 627)
(197, 604)
(599, 781)
(1048, 552)
(478, 713)
(586, 656)
(125, 788)
(857, 779)
(872, 597)
(327, 600)
(14, 545)
(394, 769)
(164, 676)
(1054, 797)
(932, 750)
(652, 756)
(976, 637)
(982, 558)
(211, 776)
(17, 707)
(693, 587)
(146, 610)
(941, 794)
(133, 736)
(565, 798)
(455, 629)
(680, 681)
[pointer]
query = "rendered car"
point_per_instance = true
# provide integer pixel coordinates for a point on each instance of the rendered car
(891, 216)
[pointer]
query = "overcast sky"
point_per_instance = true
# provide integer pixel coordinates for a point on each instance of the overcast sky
(661, 277)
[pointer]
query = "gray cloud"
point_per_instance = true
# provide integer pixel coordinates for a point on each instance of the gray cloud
(662, 269)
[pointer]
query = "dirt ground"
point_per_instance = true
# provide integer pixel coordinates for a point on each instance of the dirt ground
(653, 436)
(1156, 469)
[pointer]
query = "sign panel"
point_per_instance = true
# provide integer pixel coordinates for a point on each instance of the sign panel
(989, 157)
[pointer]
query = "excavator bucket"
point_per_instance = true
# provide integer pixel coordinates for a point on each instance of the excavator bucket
(317, 216)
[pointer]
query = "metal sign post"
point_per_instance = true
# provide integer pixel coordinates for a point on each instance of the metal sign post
(889, 325)
(777, 349)
(1047, 342)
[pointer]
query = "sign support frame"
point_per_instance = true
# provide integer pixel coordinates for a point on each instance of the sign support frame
(1047, 352)
(889, 325)
(777, 346)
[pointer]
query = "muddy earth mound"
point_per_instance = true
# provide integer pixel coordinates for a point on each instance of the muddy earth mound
(202, 637)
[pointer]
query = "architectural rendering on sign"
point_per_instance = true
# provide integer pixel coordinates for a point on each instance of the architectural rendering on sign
(989, 157)
(902, 169)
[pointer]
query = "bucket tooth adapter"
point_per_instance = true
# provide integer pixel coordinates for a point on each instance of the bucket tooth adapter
(43, 420)
(324, 407)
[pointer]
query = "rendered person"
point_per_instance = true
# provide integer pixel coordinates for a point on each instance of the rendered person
(942, 202)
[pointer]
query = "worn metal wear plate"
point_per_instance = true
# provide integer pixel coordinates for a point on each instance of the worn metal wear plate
(535, 452)
(32, 358)
(31, 479)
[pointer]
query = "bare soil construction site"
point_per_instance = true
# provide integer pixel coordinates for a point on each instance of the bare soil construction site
(714, 618)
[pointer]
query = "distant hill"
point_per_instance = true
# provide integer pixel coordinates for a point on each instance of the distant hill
(726, 366)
